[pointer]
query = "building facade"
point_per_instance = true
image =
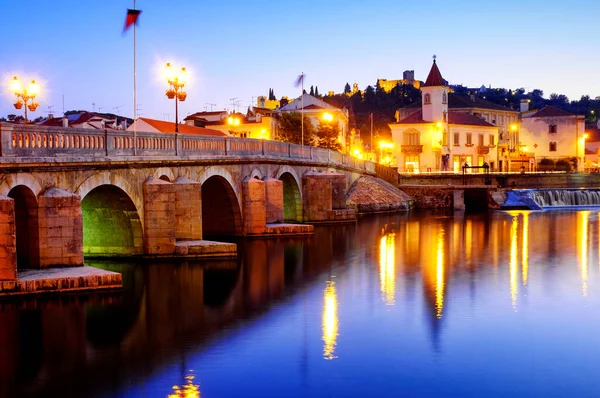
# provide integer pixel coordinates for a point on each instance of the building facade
(435, 136)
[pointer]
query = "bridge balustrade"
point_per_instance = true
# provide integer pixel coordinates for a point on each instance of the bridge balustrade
(21, 141)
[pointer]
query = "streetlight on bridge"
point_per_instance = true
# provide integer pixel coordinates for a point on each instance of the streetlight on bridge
(25, 95)
(176, 82)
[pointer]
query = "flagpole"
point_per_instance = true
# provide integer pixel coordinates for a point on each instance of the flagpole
(302, 113)
(134, 92)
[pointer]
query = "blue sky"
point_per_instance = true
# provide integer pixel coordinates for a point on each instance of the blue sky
(241, 49)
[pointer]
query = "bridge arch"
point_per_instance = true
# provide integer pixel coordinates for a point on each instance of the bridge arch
(165, 174)
(108, 178)
(111, 222)
(256, 173)
(292, 193)
(25, 179)
(221, 211)
(26, 226)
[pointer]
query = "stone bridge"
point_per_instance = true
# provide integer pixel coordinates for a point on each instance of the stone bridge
(69, 192)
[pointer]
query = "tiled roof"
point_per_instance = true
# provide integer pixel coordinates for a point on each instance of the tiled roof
(435, 77)
(551, 111)
(466, 101)
(169, 127)
(467, 119)
(462, 118)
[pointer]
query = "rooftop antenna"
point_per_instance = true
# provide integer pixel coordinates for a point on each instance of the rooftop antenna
(49, 111)
(211, 105)
(63, 103)
(233, 102)
(118, 109)
(93, 107)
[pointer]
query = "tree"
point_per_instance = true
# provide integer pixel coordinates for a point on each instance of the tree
(327, 133)
(272, 95)
(11, 117)
(316, 91)
(347, 89)
(290, 128)
(312, 91)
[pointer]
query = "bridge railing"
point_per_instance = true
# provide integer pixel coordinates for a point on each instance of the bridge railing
(20, 141)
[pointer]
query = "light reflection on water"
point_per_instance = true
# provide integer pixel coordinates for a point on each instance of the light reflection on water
(435, 304)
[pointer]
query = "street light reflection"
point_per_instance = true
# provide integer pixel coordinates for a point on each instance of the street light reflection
(525, 248)
(188, 390)
(387, 268)
(514, 288)
(439, 277)
(582, 241)
(330, 321)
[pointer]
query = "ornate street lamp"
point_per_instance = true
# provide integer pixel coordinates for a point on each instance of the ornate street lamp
(176, 82)
(25, 95)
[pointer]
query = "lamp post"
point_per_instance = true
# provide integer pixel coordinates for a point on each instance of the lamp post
(176, 82)
(25, 95)
(233, 122)
(328, 118)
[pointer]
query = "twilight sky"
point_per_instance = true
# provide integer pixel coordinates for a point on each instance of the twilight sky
(240, 49)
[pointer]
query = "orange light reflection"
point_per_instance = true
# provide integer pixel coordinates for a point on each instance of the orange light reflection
(387, 268)
(330, 321)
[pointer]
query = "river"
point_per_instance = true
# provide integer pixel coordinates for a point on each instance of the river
(422, 304)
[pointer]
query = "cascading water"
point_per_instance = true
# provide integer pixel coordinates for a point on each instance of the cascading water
(566, 197)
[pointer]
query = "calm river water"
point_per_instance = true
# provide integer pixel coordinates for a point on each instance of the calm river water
(500, 304)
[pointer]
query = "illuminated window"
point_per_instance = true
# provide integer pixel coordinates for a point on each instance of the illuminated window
(552, 128)
(445, 138)
(492, 140)
(553, 147)
(427, 99)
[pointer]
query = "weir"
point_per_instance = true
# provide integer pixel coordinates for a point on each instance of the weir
(537, 199)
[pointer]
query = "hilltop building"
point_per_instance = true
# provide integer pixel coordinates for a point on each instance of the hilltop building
(408, 77)
(443, 132)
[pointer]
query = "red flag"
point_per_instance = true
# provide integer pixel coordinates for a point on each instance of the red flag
(131, 18)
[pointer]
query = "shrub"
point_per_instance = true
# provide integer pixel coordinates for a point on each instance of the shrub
(563, 165)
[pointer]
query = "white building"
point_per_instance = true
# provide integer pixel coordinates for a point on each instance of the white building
(553, 133)
(433, 136)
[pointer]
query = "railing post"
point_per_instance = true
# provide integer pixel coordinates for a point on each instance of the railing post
(263, 147)
(226, 145)
(176, 144)
(310, 152)
(289, 150)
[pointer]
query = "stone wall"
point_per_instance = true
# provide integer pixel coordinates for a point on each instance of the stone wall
(60, 228)
(159, 216)
(431, 197)
(188, 209)
(274, 200)
(8, 255)
(254, 206)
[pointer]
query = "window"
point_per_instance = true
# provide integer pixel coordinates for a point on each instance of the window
(445, 116)
(469, 139)
(553, 147)
(444, 98)
(552, 128)
(492, 140)
(445, 138)
(427, 99)
(456, 139)
(411, 137)
(480, 140)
